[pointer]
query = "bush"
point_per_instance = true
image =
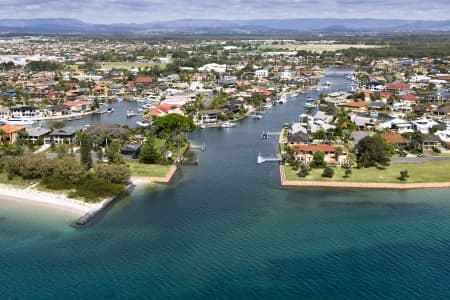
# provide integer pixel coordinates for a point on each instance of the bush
(114, 173)
(56, 183)
(96, 189)
(404, 175)
(328, 172)
(304, 171)
(348, 172)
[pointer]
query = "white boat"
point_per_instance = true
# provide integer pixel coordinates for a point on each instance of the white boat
(203, 126)
(257, 116)
(143, 123)
(444, 136)
(310, 104)
(283, 99)
(227, 124)
(266, 106)
(110, 110)
(139, 99)
(131, 113)
(21, 122)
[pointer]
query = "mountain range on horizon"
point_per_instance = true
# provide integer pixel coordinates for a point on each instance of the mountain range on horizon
(211, 26)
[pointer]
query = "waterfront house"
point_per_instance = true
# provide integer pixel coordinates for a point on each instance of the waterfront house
(21, 112)
(4, 113)
(58, 110)
(66, 135)
(305, 153)
(210, 115)
(78, 106)
(132, 150)
(11, 132)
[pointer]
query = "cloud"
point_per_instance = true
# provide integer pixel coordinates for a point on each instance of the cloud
(138, 11)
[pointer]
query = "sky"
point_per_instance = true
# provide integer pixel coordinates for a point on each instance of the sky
(142, 11)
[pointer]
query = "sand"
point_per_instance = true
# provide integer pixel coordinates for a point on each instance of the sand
(55, 200)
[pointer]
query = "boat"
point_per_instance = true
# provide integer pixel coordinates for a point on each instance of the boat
(283, 99)
(143, 123)
(203, 126)
(310, 104)
(131, 113)
(110, 110)
(257, 116)
(21, 122)
(227, 124)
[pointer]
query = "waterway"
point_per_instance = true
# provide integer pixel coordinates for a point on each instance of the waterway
(227, 230)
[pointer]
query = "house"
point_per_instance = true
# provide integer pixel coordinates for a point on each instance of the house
(210, 115)
(12, 132)
(58, 110)
(409, 97)
(66, 135)
(36, 133)
(424, 125)
(355, 104)
(298, 138)
(78, 105)
(25, 112)
(402, 126)
(443, 111)
(430, 142)
(395, 139)
(4, 113)
(398, 87)
(262, 73)
(305, 153)
(132, 150)
(144, 81)
(107, 129)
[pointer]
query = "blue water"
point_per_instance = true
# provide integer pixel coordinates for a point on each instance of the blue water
(227, 230)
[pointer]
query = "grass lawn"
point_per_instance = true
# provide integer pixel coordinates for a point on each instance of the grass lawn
(128, 65)
(434, 171)
(138, 169)
(319, 48)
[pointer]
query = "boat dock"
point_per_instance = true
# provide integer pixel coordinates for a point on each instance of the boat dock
(201, 147)
(262, 159)
(265, 134)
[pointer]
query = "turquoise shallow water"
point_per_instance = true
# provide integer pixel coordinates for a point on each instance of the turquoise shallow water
(227, 230)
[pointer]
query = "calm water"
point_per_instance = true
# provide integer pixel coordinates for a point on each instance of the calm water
(226, 230)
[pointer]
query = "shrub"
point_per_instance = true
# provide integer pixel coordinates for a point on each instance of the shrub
(96, 189)
(328, 172)
(304, 171)
(404, 175)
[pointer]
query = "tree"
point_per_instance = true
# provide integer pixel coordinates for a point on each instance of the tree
(149, 154)
(173, 124)
(328, 172)
(61, 150)
(304, 170)
(404, 175)
(112, 152)
(85, 150)
(318, 160)
(348, 172)
(371, 151)
(114, 173)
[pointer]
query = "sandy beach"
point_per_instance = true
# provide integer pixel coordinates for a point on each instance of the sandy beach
(360, 185)
(142, 180)
(55, 200)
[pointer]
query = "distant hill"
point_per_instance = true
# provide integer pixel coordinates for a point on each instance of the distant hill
(209, 26)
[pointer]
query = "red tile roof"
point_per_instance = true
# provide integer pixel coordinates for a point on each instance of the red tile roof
(144, 79)
(399, 86)
(409, 97)
(8, 128)
(353, 104)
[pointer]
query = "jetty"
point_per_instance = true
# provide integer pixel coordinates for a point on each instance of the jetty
(265, 134)
(262, 159)
(201, 147)
(84, 220)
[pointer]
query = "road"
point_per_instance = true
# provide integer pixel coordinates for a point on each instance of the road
(417, 160)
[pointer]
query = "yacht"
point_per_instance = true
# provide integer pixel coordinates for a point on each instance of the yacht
(257, 116)
(110, 110)
(20, 122)
(227, 124)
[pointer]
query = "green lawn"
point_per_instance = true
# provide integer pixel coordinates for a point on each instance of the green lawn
(138, 169)
(434, 171)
